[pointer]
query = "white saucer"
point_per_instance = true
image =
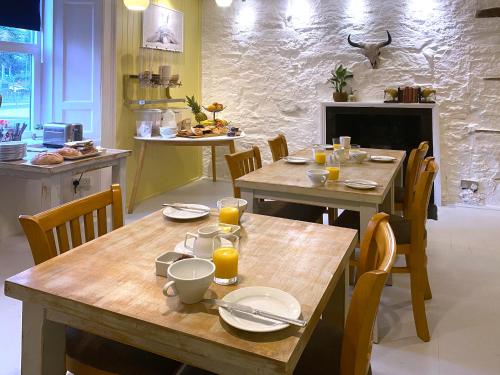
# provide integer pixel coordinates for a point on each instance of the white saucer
(268, 299)
(329, 147)
(180, 214)
(361, 184)
(382, 158)
(295, 160)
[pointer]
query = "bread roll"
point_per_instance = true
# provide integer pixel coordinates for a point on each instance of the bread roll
(47, 158)
(68, 151)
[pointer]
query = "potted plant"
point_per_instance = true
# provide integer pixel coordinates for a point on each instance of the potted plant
(339, 82)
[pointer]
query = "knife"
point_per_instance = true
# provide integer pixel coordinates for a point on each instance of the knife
(250, 310)
(186, 207)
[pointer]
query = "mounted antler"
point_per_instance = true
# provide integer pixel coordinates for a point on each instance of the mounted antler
(371, 50)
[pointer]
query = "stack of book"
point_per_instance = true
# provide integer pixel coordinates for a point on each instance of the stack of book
(408, 94)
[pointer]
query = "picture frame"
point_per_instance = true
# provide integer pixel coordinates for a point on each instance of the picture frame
(163, 28)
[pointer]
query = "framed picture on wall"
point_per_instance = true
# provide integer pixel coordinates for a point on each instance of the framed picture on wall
(163, 28)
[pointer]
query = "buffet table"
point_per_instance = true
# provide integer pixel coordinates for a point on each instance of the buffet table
(223, 140)
(57, 178)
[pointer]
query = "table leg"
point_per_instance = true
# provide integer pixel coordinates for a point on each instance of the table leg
(214, 164)
(119, 176)
(252, 206)
(137, 177)
(335, 313)
(43, 343)
(365, 214)
(232, 149)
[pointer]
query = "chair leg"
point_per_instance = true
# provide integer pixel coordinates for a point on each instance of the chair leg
(332, 215)
(427, 285)
(418, 302)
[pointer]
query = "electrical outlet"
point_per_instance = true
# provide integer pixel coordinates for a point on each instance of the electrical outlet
(469, 184)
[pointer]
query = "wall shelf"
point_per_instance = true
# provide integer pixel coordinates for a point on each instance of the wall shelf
(127, 78)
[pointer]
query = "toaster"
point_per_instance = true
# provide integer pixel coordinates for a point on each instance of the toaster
(56, 134)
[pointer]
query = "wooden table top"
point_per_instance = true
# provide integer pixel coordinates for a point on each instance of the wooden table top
(292, 178)
(112, 280)
(26, 166)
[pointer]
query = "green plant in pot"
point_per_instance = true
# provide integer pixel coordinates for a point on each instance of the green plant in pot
(339, 81)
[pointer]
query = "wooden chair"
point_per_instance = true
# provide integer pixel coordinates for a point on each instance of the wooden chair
(241, 163)
(278, 146)
(411, 240)
(378, 252)
(86, 353)
(403, 196)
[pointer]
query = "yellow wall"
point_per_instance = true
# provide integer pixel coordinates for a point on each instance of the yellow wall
(165, 168)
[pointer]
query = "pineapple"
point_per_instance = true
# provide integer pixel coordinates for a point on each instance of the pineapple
(196, 109)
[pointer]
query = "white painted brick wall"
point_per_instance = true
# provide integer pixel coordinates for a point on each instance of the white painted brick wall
(268, 61)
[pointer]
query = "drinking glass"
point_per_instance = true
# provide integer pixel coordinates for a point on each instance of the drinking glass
(225, 257)
(319, 154)
(333, 168)
(229, 211)
(336, 143)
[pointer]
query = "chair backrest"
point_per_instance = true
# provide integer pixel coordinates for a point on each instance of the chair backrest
(241, 163)
(40, 228)
(378, 246)
(413, 169)
(417, 212)
(278, 146)
(357, 340)
(378, 252)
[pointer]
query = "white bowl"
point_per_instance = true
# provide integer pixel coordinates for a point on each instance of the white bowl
(318, 177)
(358, 156)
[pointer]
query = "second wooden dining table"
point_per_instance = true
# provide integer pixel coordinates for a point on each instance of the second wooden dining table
(108, 287)
(287, 182)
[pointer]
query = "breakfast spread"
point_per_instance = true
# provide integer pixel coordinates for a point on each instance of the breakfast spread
(205, 127)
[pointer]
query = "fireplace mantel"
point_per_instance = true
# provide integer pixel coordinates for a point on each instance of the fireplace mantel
(426, 112)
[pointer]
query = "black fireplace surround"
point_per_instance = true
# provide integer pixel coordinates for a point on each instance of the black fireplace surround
(383, 127)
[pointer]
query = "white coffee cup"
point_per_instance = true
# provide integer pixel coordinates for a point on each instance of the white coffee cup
(345, 142)
(189, 279)
(358, 156)
(318, 177)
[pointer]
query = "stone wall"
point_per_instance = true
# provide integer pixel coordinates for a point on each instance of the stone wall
(268, 61)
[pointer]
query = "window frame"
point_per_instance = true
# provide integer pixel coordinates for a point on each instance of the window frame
(35, 50)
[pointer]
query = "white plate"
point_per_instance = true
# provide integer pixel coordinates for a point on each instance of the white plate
(382, 158)
(268, 299)
(180, 214)
(329, 147)
(361, 184)
(295, 160)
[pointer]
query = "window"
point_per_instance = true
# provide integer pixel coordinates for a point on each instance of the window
(19, 76)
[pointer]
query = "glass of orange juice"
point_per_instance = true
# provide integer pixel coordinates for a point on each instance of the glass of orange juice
(319, 154)
(225, 257)
(333, 168)
(336, 143)
(229, 211)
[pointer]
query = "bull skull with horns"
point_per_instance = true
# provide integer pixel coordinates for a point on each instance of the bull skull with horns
(371, 50)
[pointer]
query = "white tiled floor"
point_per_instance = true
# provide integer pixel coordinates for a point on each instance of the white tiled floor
(464, 260)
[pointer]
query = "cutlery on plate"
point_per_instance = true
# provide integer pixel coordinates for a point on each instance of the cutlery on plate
(356, 182)
(186, 207)
(250, 310)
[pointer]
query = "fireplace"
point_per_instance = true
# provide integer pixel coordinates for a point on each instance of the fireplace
(391, 126)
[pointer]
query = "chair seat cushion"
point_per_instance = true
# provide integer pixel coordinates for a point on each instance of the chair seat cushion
(400, 226)
(399, 194)
(294, 211)
(115, 357)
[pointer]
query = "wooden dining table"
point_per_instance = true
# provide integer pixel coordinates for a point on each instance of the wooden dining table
(287, 182)
(108, 287)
